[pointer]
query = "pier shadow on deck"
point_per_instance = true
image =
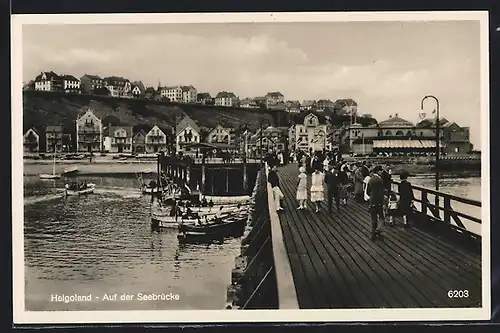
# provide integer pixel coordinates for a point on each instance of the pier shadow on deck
(335, 264)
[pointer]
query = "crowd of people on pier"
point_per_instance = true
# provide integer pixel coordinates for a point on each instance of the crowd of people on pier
(334, 180)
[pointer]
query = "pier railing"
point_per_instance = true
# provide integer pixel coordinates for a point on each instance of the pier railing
(262, 278)
(460, 215)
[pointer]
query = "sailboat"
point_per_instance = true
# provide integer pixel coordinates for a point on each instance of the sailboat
(53, 175)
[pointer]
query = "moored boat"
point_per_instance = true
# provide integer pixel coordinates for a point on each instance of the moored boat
(71, 170)
(231, 226)
(219, 199)
(75, 189)
(54, 175)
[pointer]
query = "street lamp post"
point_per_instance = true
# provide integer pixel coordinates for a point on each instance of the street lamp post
(438, 138)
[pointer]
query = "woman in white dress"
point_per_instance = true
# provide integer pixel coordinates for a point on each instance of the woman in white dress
(302, 188)
(317, 189)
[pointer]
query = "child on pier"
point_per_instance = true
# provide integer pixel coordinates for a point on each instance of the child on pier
(392, 207)
(405, 198)
(302, 188)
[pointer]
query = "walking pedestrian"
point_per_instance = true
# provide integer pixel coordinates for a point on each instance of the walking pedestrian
(302, 188)
(274, 180)
(317, 189)
(375, 191)
(358, 184)
(406, 199)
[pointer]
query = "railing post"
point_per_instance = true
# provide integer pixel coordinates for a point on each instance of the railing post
(447, 209)
(424, 202)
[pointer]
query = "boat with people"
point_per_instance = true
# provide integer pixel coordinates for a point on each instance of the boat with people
(219, 228)
(79, 188)
(220, 199)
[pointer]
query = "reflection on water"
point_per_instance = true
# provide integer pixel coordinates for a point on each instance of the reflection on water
(102, 243)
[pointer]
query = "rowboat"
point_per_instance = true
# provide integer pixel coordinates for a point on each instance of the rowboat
(170, 222)
(75, 189)
(231, 226)
(70, 170)
(201, 211)
(219, 199)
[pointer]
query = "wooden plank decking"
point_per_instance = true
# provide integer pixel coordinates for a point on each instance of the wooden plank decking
(335, 264)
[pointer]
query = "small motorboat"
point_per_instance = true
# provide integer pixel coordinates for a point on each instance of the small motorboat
(75, 189)
(71, 170)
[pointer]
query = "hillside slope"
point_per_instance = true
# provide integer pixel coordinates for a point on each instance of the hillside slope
(46, 108)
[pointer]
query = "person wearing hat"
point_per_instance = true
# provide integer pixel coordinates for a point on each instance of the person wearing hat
(406, 198)
(302, 188)
(375, 191)
(332, 188)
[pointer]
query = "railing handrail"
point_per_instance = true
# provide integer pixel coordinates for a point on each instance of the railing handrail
(287, 294)
(442, 194)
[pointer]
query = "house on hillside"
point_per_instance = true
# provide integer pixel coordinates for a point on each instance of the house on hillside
(53, 139)
(137, 88)
(173, 93)
(307, 105)
(204, 98)
(156, 140)
(225, 98)
(117, 86)
(71, 85)
(89, 132)
(31, 141)
(121, 139)
(248, 103)
(220, 134)
(48, 81)
(89, 83)
(324, 104)
(273, 98)
(292, 106)
(187, 132)
(149, 93)
(261, 101)
(188, 94)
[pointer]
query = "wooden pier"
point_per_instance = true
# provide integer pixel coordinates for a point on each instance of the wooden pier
(307, 260)
(212, 176)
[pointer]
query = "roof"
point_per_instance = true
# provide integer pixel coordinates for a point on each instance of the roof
(308, 102)
(185, 122)
(325, 101)
(302, 116)
(31, 129)
(203, 95)
(260, 98)
(52, 128)
(114, 79)
(271, 129)
(395, 122)
(93, 77)
(69, 78)
(50, 76)
(128, 129)
(170, 87)
(408, 144)
(247, 101)
(225, 94)
(187, 88)
(274, 94)
(430, 122)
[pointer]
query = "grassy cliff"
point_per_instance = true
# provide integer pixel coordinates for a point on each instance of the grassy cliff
(52, 108)
(48, 108)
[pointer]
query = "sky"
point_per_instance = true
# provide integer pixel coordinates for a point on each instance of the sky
(386, 67)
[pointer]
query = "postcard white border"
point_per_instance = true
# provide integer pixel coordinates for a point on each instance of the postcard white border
(216, 316)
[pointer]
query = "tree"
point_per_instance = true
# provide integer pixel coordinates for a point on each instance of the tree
(111, 120)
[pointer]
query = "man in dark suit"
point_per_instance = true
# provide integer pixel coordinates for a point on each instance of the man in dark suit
(376, 202)
(332, 186)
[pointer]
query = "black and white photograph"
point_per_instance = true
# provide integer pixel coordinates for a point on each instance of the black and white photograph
(190, 167)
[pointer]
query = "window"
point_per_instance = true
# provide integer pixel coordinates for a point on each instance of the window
(399, 133)
(388, 133)
(421, 133)
(409, 133)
